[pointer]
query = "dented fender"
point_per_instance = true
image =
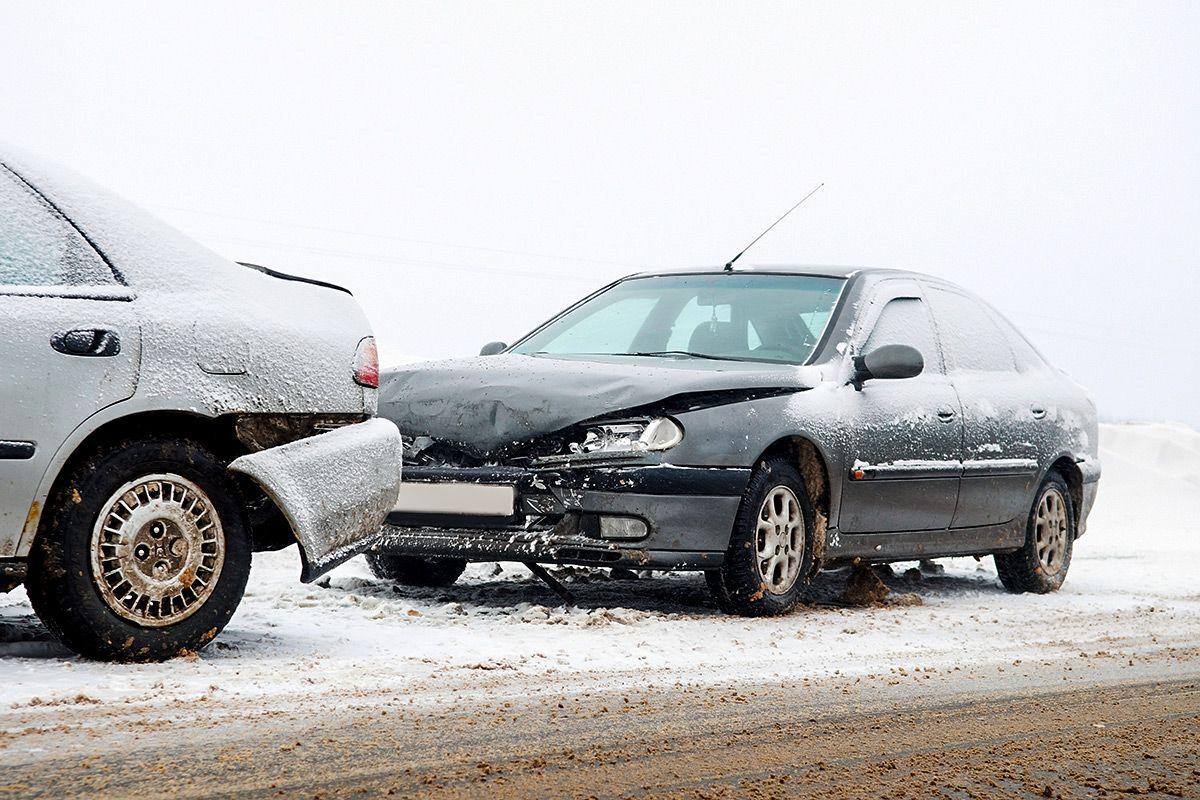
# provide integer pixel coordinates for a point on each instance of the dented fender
(334, 489)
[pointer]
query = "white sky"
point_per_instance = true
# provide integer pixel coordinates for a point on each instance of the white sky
(468, 169)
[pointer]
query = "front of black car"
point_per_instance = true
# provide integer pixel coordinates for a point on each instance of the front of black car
(602, 438)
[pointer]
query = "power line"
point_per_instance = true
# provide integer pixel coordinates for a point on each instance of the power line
(417, 262)
(388, 237)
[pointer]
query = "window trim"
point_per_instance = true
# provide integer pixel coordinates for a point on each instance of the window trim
(84, 292)
(116, 273)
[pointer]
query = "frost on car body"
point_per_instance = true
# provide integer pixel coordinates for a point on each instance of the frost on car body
(129, 349)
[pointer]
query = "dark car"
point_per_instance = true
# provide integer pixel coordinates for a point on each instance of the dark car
(756, 424)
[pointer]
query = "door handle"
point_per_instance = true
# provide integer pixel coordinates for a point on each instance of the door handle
(946, 414)
(1038, 412)
(87, 342)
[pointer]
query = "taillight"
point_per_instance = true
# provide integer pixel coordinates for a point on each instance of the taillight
(366, 363)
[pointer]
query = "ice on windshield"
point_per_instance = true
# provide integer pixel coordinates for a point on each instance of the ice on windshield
(736, 316)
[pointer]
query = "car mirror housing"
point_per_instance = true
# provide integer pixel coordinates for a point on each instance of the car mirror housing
(889, 362)
(492, 348)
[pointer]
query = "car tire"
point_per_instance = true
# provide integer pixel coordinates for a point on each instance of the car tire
(413, 571)
(130, 535)
(770, 553)
(1041, 565)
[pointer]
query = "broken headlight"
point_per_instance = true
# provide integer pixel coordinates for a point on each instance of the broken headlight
(659, 433)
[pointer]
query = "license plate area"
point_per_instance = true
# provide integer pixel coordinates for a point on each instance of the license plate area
(466, 499)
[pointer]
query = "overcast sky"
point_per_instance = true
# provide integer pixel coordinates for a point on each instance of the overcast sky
(468, 169)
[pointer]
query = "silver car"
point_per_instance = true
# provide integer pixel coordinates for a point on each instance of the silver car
(164, 413)
(756, 424)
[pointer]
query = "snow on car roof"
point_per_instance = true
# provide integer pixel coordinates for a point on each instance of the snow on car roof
(820, 270)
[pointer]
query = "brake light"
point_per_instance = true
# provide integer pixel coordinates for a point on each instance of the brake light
(366, 363)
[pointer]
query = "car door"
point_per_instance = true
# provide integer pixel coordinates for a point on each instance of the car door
(69, 343)
(905, 436)
(999, 413)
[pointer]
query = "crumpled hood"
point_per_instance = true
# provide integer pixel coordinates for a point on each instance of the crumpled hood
(485, 402)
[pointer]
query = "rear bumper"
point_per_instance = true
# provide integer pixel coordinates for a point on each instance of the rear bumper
(1090, 469)
(334, 489)
(688, 513)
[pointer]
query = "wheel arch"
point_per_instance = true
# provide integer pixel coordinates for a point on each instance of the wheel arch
(266, 523)
(813, 465)
(212, 431)
(1066, 466)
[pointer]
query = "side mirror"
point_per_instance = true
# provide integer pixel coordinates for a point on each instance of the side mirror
(492, 348)
(888, 363)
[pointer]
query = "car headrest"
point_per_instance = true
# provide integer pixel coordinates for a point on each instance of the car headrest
(718, 337)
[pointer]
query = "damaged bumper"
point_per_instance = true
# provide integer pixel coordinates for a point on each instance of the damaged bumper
(652, 516)
(334, 489)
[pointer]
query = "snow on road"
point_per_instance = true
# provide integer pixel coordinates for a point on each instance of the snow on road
(1132, 590)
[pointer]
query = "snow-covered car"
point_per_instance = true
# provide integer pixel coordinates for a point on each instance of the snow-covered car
(165, 412)
(755, 424)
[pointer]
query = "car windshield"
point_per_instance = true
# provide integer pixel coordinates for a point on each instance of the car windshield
(727, 316)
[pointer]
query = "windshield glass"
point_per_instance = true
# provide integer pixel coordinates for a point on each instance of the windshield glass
(728, 316)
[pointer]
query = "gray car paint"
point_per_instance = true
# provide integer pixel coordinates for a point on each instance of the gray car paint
(925, 494)
(484, 403)
(199, 334)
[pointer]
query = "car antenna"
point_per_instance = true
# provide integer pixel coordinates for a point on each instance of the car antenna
(729, 266)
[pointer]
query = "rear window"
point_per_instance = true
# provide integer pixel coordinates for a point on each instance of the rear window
(38, 247)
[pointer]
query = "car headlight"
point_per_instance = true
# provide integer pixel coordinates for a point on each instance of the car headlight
(659, 433)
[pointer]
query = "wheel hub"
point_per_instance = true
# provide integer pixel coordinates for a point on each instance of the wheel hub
(157, 550)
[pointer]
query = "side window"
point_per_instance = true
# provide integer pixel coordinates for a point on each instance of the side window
(40, 248)
(905, 320)
(1028, 358)
(970, 336)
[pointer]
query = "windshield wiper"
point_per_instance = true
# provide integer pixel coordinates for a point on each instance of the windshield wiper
(664, 354)
(689, 353)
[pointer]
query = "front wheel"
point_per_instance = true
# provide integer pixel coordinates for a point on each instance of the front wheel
(143, 554)
(1040, 566)
(413, 571)
(770, 550)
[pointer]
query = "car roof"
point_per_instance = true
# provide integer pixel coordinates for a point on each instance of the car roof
(821, 270)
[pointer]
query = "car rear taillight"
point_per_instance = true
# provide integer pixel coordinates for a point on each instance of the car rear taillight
(366, 363)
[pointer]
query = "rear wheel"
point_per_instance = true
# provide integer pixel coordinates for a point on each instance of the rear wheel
(1040, 566)
(412, 571)
(143, 553)
(770, 550)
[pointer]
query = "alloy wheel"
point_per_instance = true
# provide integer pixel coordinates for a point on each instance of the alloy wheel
(1051, 530)
(780, 540)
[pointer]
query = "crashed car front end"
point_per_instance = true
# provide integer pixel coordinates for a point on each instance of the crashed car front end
(601, 493)
(613, 424)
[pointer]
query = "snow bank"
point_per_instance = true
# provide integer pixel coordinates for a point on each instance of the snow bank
(351, 639)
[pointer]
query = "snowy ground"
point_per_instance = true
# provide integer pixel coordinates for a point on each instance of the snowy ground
(1132, 592)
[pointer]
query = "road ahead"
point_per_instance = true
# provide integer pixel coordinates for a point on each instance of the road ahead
(1092, 728)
